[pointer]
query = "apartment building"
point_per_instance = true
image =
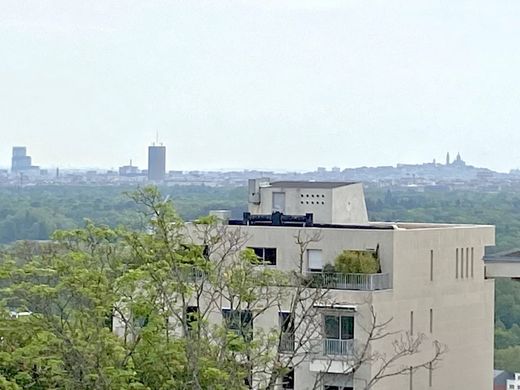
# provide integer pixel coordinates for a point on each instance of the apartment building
(431, 283)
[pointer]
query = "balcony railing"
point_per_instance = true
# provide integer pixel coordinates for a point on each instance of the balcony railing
(336, 347)
(364, 282)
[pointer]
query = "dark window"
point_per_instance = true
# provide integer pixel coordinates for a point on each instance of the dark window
(192, 316)
(240, 322)
(205, 252)
(288, 380)
(109, 320)
(339, 327)
(287, 335)
(140, 321)
(329, 387)
(266, 255)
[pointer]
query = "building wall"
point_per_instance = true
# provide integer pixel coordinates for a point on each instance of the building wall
(462, 307)
(298, 201)
(348, 205)
(341, 205)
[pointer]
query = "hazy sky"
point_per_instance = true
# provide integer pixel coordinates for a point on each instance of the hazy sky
(260, 84)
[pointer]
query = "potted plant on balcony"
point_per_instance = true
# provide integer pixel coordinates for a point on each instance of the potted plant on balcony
(356, 262)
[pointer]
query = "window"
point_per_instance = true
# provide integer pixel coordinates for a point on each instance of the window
(338, 327)
(205, 252)
(462, 262)
(329, 387)
(339, 334)
(457, 263)
(472, 253)
(287, 335)
(467, 262)
(265, 255)
(431, 265)
(315, 260)
(240, 322)
(192, 316)
(411, 322)
(109, 320)
(288, 380)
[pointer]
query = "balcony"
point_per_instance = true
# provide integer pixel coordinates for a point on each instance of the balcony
(336, 347)
(339, 281)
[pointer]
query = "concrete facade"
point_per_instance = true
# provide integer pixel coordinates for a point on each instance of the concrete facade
(438, 287)
(431, 283)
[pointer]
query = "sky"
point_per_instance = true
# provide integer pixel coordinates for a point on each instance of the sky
(268, 84)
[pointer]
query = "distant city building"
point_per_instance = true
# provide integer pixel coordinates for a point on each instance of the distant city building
(156, 162)
(129, 170)
(448, 158)
(21, 162)
(459, 161)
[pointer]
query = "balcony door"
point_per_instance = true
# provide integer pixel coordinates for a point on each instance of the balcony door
(338, 327)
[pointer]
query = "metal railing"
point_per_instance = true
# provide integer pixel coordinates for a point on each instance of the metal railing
(364, 282)
(337, 347)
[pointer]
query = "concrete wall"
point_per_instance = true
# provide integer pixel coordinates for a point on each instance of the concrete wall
(342, 205)
(348, 205)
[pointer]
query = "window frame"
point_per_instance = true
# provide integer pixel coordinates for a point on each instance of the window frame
(262, 254)
(242, 325)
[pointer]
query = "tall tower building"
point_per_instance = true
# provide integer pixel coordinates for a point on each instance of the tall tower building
(156, 162)
(20, 161)
(448, 158)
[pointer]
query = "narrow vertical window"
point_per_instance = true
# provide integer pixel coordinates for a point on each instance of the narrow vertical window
(457, 263)
(462, 262)
(430, 374)
(431, 265)
(467, 262)
(431, 320)
(411, 322)
(472, 263)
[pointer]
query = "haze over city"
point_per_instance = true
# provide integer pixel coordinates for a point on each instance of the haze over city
(260, 84)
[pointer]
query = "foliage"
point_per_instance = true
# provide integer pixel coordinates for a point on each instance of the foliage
(356, 262)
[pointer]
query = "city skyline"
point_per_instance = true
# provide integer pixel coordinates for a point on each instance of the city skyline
(260, 84)
(131, 162)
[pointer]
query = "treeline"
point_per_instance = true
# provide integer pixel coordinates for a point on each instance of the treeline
(33, 213)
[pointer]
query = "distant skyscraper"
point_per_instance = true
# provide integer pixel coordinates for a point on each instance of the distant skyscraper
(20, 161)
(156, 162)
(448, 158)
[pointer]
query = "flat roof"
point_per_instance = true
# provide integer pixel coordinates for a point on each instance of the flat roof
(369, 226)
(312, 184)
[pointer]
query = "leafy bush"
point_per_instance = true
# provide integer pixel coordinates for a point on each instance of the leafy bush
(357, 262)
